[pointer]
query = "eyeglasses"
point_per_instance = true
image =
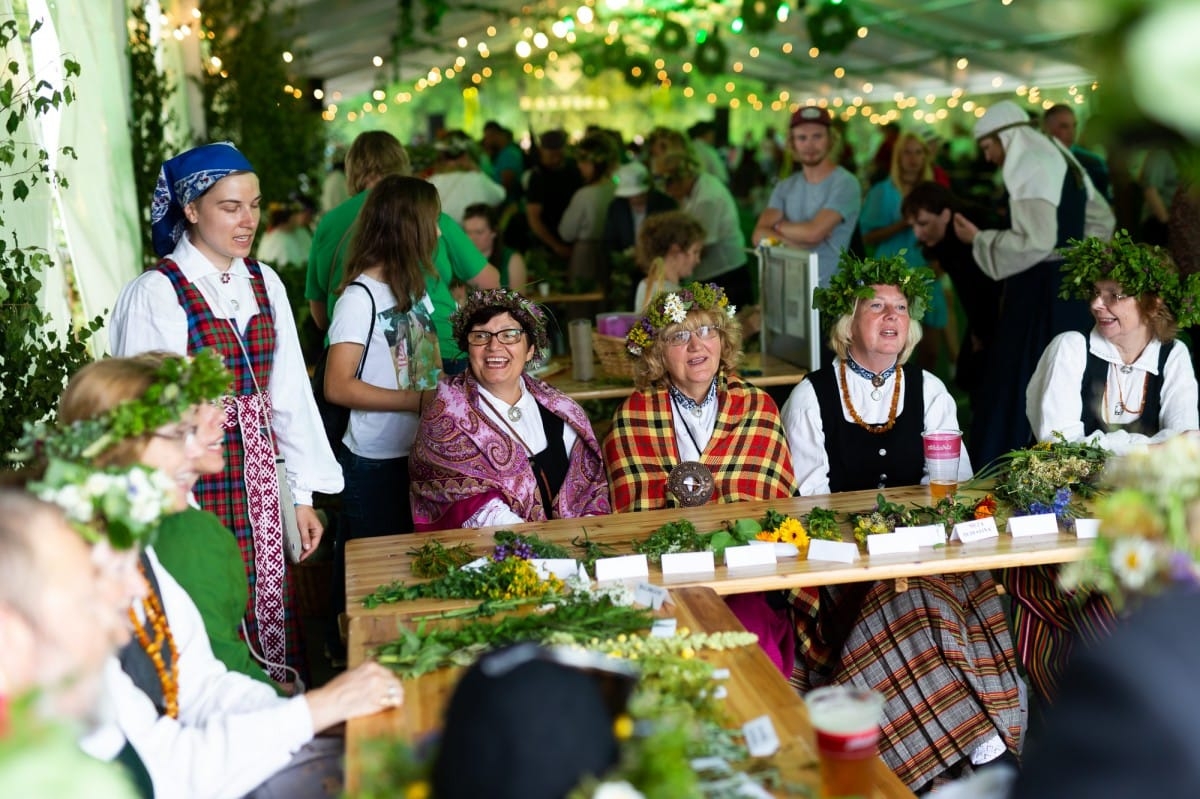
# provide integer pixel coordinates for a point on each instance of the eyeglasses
(1108, 297)
(480, 338)
(184, 434)
(683, 335)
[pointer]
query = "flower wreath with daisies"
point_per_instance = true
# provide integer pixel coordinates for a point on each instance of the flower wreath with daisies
(531, 316)
(856, 278)
(180, 383)
(1137, 268)
(671, 308)
(123, 506)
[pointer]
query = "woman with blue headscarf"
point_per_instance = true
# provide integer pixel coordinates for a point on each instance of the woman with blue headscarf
(207, 293)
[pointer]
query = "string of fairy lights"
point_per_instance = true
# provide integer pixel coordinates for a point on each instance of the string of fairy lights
(545, 44)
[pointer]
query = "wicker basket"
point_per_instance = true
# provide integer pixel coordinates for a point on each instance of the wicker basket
(613, 357)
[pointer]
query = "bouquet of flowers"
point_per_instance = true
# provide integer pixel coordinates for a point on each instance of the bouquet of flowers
(1146, 540)
(1050, 477)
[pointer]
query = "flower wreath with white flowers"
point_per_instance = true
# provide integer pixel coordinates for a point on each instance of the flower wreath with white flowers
(121, 505)
(671, 308)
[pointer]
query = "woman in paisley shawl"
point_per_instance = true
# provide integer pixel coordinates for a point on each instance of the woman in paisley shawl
(497, 446)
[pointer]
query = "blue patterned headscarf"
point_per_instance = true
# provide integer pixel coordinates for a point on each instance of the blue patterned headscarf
(184, 178)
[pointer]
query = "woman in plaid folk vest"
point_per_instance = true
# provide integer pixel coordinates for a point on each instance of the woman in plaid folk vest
(208, 293)
(940, 652)
(693, 420)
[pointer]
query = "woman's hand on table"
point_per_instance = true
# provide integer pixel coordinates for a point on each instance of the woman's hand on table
(360, 691)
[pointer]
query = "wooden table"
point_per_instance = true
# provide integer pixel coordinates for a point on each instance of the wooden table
(761, 370)
(372, 562)
(562, 298)
(755, 687)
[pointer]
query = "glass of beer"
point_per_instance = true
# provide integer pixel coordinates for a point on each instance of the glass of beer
(846, 720)
(942, 450)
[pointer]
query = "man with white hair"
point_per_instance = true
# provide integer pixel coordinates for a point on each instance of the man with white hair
(1051, 201)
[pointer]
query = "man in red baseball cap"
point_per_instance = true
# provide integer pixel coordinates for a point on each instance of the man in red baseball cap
(817, 207)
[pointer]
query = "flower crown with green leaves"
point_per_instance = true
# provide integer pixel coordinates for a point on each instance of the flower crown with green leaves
(855, 280)
(180, 382)
(671, 308)
(1137, 268)
(528, 314)
(122, 505)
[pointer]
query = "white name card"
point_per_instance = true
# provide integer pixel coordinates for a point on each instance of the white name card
(782, 548)
(1087, 528)
(890, 544)
(836, 551)
(476, 564)
(1037, 524)
(761, 738)
(739, 557)
(721, 674)
(688, 563)
(622, 568)
(651, 596)
(926, 535)
(975, 530)
(662, 628)
(562, 568)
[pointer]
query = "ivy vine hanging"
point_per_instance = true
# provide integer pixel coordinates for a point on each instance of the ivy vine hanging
(671, 38)
(711, 55)
(831, 26)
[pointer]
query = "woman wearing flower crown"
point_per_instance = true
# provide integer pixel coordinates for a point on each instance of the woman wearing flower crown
(940, 652)
(207, 293)
(1125, 383)
(60, 621)
(179, 706)
(497, 446)
(694, 430)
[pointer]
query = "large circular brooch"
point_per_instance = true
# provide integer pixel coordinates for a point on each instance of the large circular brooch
(691, 483)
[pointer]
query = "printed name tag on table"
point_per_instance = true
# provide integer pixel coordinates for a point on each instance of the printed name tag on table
(761, 738)
(1087, 528)
(736, 557)
(663, 628)
(622, 568)
(1037, 524)
(891, 544)
(975, 530)
(836, 551)
(562, 568)
(926, 535)
(688, 563)
(651, 596)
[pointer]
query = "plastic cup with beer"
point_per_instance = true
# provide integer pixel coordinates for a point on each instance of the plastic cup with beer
(846, 720)
(942, 451)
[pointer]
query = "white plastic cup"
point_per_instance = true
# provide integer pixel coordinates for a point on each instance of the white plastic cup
(943, 448)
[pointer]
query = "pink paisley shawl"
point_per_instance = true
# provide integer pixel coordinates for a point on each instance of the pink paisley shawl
(461, 459)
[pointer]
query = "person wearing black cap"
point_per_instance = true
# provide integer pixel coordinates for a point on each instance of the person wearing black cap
(816, 208)
(552, 183)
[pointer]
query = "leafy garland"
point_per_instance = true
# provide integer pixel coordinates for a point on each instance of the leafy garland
(1137, 268)
(855, 280)
(758, 16)
(671, 36)
(831, 26)
(711, 55)
(671, 308)
(638, 71)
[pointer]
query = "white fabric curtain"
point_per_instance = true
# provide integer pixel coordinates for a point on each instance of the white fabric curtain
(99, 209)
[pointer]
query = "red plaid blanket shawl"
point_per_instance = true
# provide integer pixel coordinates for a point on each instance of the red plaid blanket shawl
(748, 453)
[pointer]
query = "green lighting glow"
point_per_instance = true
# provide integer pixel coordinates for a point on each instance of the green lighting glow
(701, 36)
(737, 25)
(782, 13)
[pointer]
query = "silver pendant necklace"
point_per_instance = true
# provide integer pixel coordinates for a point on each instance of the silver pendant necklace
(513, 413)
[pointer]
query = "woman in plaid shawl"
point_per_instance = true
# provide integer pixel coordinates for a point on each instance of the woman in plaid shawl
(940, 652)
(691, 405)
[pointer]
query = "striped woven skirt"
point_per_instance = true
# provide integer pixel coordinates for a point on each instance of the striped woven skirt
(1048, 622)
(941, 655)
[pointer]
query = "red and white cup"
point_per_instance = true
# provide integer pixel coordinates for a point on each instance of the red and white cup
(943, 448)
(846, 722)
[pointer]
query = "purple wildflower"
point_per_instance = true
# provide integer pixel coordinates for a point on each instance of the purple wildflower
(1182, 570)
